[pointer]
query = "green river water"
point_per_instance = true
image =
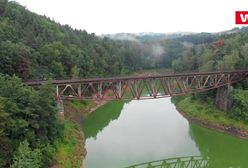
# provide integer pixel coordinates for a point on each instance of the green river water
(121, 134)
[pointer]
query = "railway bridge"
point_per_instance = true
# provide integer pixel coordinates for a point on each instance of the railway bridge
(143, 87)
(180, 162)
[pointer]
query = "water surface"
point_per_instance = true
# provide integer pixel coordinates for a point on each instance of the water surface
(123, 134)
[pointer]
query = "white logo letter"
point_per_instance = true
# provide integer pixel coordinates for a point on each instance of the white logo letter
(244, 18)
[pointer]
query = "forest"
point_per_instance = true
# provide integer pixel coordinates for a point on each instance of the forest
(36, 47)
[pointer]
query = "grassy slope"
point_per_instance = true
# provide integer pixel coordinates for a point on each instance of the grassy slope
(70, 147)
(205, 112)
(82, 104)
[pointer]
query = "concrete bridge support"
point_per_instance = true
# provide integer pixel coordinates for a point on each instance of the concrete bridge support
(60, 106)
(223, 98)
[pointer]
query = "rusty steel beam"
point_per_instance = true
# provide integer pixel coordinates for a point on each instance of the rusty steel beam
(143, 87)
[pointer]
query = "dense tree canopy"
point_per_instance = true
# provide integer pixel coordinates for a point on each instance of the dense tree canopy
(227, 52)
(35, 47)
(25, 114)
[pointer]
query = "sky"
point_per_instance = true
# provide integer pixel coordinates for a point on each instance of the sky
(133, 16)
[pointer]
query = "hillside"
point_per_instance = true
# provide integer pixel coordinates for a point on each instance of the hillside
(146, 36)
(35, 47)
(224, 50)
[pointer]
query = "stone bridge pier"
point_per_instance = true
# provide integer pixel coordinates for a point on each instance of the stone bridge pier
(60, 106)
(223, 98)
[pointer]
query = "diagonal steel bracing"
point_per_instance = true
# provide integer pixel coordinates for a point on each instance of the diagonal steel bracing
(143, 87)
(183, 162)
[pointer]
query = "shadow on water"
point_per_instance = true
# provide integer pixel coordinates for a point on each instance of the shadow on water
(99, 119)
(223, 151)
(179, 162)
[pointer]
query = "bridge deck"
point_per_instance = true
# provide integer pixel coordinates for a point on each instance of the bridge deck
(134, 87)
(93, 80)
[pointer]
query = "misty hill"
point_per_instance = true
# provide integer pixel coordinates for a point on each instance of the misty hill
(193, 37)
(36, 47)
(145, 36)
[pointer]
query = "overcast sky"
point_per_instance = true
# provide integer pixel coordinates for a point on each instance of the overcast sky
(114, 16)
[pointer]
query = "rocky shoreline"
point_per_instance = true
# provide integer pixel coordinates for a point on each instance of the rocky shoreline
(230, 130)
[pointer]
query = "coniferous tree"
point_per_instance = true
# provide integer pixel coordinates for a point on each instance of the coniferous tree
(26, 157)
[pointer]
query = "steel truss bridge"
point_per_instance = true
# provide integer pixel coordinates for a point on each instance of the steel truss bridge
(183, 162)
(143, 87)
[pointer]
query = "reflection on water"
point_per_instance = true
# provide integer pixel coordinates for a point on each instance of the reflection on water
(183, 162)
(145, 130)
(224, 151)
(101, 118)
(119, 135)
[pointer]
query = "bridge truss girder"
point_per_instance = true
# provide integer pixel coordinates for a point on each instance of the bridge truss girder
(184, 162)
(147, 87)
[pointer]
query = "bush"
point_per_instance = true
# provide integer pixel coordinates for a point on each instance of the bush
(26, 114)
(240, 105)
(48, 152)
(26, 157)
(207, 96)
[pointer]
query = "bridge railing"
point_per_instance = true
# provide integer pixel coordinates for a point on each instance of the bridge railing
(155, 86)
(179, 162)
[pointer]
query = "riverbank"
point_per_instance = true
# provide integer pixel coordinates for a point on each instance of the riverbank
(70, 146)
(207, 115)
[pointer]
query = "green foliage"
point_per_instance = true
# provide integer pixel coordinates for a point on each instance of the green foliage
(15, 59)
(25, 114)
(57, 69)
(35, 47)
(226, 52)
(173, 50)
(240, 105)
(70, 149)
(3, 4)
(82, 104)
(5, 124)
(207, 97)
(48, 151)
(26, 157)
(7, 31)
(75, 72)
(206, 112)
